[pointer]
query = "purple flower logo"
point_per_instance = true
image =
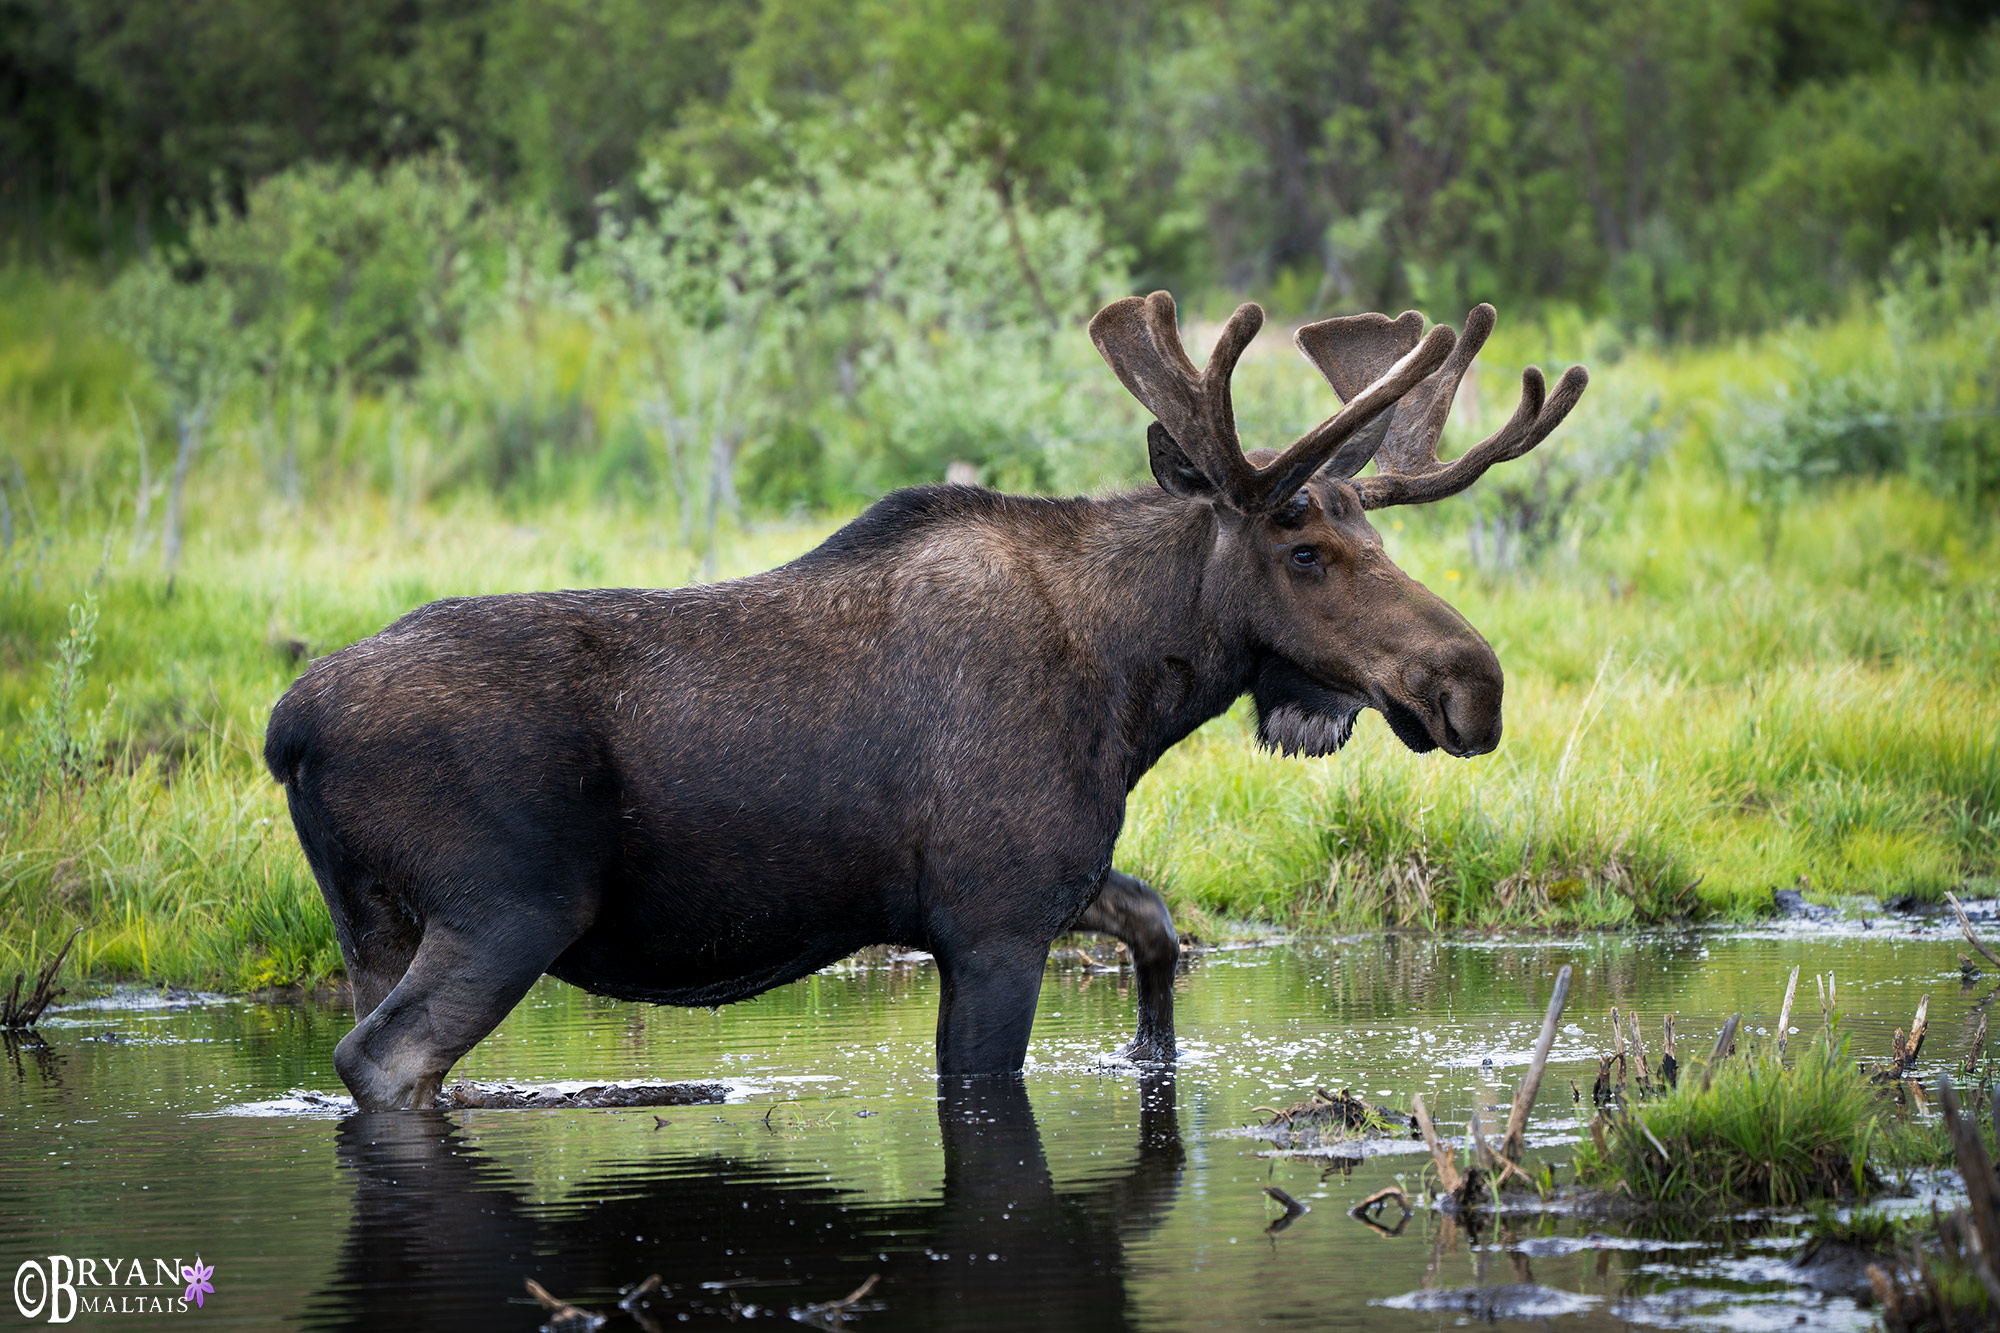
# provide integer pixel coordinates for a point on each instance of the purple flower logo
(198, 1281)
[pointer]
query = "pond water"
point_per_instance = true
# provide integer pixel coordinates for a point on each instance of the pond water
(1086, 1196)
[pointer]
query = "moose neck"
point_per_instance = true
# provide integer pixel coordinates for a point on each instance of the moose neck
(1132, 585)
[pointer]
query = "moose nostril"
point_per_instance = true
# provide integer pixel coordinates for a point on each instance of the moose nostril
(1452, 739)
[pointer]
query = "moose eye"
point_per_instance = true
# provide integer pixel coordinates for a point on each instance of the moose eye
(1304, 557)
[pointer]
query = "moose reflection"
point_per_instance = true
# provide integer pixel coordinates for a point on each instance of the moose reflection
(442, 1238)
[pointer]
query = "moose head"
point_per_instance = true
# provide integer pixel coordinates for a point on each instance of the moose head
(1297, 570)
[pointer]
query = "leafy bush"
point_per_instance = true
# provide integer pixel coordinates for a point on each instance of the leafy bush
(61, 746)
(1857, 170)
(337, 273)
(1928, 405)
(901, 311)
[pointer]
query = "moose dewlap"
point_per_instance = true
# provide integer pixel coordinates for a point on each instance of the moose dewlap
(921, 733)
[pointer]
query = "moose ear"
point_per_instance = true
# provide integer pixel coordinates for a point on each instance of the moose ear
(1171, 468)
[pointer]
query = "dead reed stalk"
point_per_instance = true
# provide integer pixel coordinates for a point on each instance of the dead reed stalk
(1785, 1011)
(1639, 1054)
(1447, 1169)
(1511, 1143)
(1904, 1048)
(1725, 1042)
(1965, 925)
(14, 1014)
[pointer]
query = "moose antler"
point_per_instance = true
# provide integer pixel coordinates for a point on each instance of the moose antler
(1351, 350)
(1140, 339)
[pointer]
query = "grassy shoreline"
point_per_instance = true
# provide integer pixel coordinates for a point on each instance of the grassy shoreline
(1710, 694)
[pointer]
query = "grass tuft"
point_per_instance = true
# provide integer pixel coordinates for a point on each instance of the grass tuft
(1763, 1132)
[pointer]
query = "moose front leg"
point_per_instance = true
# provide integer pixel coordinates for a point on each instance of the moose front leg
(1128, 910)
(987, 1008)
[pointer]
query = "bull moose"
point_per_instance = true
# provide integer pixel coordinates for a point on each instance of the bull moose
(922, 733)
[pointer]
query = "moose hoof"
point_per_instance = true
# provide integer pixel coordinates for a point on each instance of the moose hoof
(1150, 1050)
(377, 1088)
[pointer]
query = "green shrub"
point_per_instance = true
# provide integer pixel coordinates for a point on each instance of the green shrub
(1854, 170)
(336, 273)
(1926, 402)
(61, 745)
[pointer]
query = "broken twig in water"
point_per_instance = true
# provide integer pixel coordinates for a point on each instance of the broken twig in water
(640, 1302)
(562, 1316)
(1286, 1201)
(13, 1013)
(1447, 1169)
(1495, 1165)
(1669, 1067)
(1368, 1211)
(1600, 1088)
(1978, 1046)
(1725, 1042)
(829, 1313)
(1639, 1053)
(1904, 1048)
(1524, 1096)
(1965, 925)
(1380, 1197)
(1482, 1151)
(1294, 1210)
(1618, 1053)
(1785, 1010)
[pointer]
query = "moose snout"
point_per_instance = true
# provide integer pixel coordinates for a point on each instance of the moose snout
(1470, 721)
(1468, 701)
(1460, 693)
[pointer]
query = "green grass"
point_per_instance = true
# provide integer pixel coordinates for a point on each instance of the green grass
(1763, 1132)
(1709, 696)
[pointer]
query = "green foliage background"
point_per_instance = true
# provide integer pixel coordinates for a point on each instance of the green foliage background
(317, 312)
(1683, 167)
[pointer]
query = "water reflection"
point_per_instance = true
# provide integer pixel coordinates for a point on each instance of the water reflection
(146, 1126)
(442, 1237)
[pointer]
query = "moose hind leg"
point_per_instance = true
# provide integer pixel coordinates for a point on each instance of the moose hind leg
(377, 936)
(377, 943)
(1128, 910)
(458, 988)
